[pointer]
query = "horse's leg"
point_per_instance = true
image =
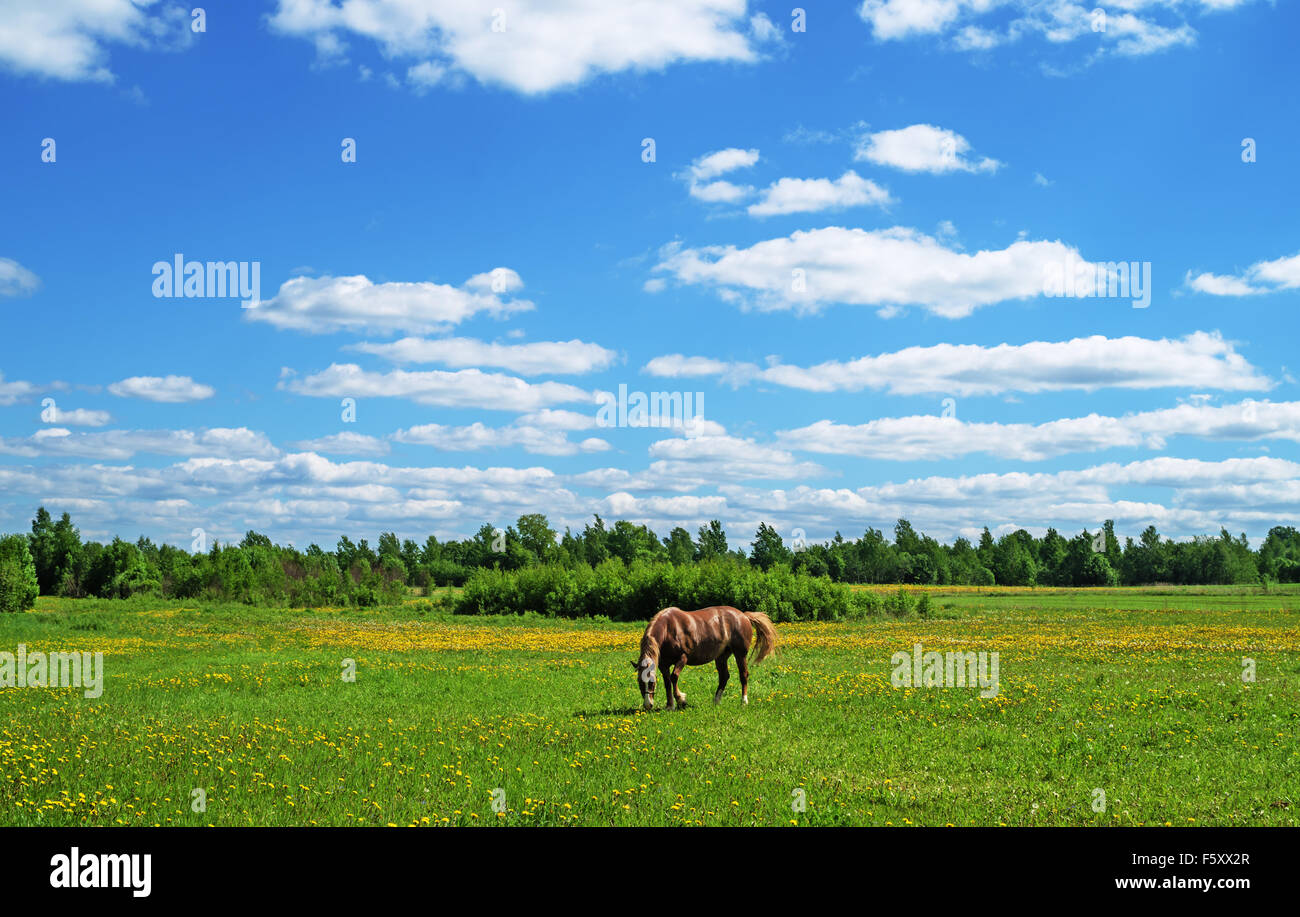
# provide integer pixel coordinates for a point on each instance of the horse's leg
(669, 688)
(677, 672)
(723, 675)
(743, 665)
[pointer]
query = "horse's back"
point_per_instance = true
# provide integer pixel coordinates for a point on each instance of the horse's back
(706, 634)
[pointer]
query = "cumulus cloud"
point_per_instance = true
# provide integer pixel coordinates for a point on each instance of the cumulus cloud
(344, 444)
(1130, 29)
(719, 162)
(70, 40)
(16, 280)
(534, 359)
(936, 437)
(886, 268)
(722, 457)
(946, 506)
(532, 438)
(16, 391)
(321, 305)
(109, 445)
(806, 195)
(1260, 277)
(167, 389)
(305, 496)
(1200, 359)
(536, 46)
(922, 148)
(702, 176)
(466, 388)
(77, 417)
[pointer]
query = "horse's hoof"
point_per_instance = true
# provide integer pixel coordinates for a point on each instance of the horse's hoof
(744, 698)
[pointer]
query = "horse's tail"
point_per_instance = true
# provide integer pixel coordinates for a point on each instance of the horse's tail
(766, 642)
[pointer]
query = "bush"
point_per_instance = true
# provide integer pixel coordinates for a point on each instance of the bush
(447, 573)
(621, 592)
(899, 605)
(18, 584)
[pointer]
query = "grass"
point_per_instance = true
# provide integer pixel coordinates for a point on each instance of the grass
(1135, 693)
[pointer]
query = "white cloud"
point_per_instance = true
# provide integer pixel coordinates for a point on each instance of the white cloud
(1260, 277)
(786, 195)
(538, 46)
(884, 268)
(16, 391)
(328, 304)
(720, 192)
(77, 417)
(715, 458)
(344, 444)
(903, 18)
(764, 29)
(534, 439)
(303, 496)
(702, 174)
(805, 195)
(1130, 28)
(711, 165)
(557, 419)
(122, 444)
(466, 388)
(974, 38)
(649, 510)
(16, 280)
(922, 148)
(1069, 500)
(1135, 37)
(537, 358)
(167, 389)
(935, 437)
(69, 39)
(1200, 360)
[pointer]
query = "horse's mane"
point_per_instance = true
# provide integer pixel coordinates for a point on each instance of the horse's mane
(649, 644)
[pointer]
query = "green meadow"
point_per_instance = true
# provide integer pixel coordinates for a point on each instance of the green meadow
(1142, 706)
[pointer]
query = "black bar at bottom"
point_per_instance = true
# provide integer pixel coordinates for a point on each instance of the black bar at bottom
(333, 866)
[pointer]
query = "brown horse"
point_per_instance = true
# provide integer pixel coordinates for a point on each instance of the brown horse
(675, 639)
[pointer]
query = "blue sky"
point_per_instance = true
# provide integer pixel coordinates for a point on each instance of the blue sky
(501, 252)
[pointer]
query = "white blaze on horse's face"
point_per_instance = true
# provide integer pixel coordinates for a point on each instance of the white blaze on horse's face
(645, 676)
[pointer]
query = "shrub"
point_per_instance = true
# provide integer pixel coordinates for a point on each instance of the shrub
(899, 605)
(621, 592)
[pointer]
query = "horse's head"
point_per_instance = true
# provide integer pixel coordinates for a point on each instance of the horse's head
(645, 680)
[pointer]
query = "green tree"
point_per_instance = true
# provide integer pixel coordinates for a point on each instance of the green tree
(712, 542)
(768, 548)
(56, 551)
(595, 546)
(537, 537)
(18, 584)
(681, 550)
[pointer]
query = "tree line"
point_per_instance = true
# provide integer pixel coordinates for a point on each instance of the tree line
(54, 560)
